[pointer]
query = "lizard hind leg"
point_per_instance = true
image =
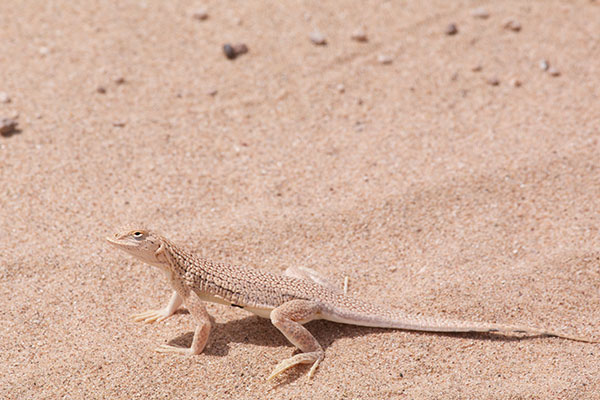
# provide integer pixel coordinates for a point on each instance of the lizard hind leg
(288, 318)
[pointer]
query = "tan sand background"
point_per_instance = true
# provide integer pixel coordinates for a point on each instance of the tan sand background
(433, 190)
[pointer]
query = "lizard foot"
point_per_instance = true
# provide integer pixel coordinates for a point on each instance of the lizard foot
(165, 348)
(151, 316)
(314, 357)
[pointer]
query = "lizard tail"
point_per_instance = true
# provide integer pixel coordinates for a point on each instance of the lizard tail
(542, 332)
(386, 318)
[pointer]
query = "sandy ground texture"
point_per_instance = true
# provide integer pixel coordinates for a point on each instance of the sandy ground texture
(445, 175)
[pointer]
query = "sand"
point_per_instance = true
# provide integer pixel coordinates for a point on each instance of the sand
(412, 163)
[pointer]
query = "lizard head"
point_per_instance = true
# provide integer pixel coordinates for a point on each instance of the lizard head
(141, 243)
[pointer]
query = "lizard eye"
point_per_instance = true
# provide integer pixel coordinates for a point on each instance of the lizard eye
(137, 235)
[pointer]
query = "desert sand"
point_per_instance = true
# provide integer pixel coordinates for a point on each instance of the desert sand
(446, 175)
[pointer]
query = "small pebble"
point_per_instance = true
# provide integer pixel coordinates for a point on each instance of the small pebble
(228, 50)
(512, 24)
(393, 269)
(44, 51)
(318, 38)
(480, 13)
(120, 80)
(7, 126)
(359, 35)
(200, 14)
(515, 82)
(384, 59)
(119, 124)
(477, 68)
(493, 81)
(340, 88)
(212, 92)
(4, 98)
(101, 89)
(233, 50)
(553, 71)
(451, 29)
(544, 65)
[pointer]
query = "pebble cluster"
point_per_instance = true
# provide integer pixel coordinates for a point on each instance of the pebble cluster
(510, 24)
(8, 125)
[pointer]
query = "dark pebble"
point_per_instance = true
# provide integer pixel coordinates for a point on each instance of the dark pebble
(233, 50)
(8, 126)
(451, 29)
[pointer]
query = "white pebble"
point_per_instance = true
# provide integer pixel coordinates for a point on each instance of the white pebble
(384, 59)
(493, 81)
(318, 38)
(200, 14)
(480, 13)
(512, 24)
(359, 35)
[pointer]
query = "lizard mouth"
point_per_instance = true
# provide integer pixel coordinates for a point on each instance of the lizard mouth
(112, 240)
(115, 241)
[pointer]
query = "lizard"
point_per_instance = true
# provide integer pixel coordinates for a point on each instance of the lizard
(289, 300)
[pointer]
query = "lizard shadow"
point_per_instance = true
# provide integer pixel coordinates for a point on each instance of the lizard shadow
(259, 331)
(251, 329)
(481, 336)
(327, 332)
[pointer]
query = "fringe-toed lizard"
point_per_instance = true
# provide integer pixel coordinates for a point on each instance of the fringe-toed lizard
(289, 301)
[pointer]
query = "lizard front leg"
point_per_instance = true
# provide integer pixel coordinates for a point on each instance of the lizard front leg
(288, 318)
(202, 317)
(151, 316)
